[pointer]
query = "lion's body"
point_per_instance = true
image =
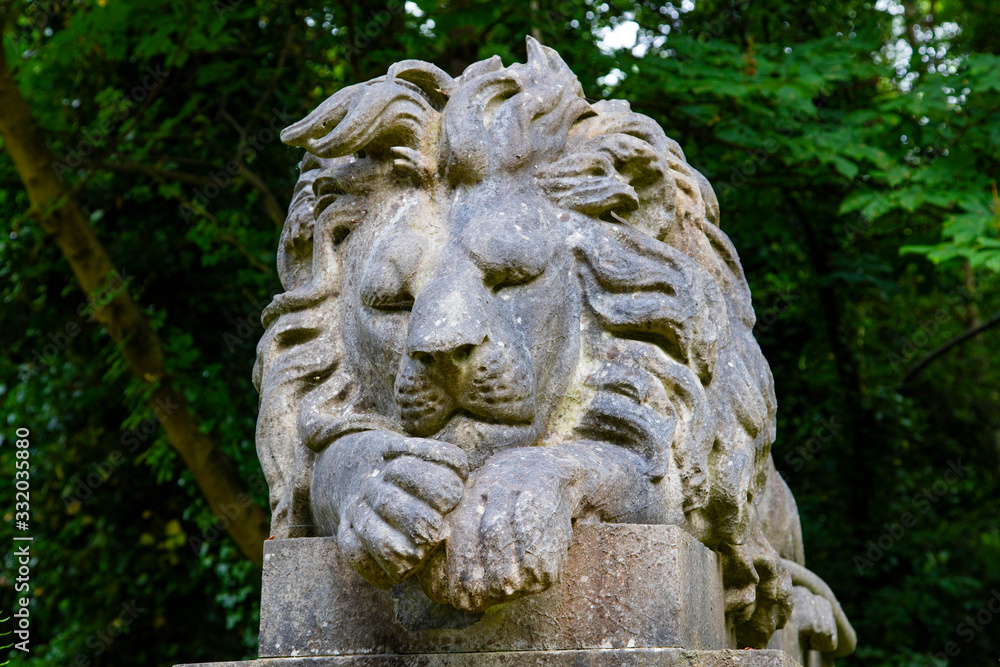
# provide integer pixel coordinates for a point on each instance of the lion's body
(492, 264)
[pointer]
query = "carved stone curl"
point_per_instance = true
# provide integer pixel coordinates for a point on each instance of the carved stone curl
(509, 311)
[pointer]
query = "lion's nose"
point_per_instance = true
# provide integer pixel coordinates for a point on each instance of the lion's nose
(456, 356)
(447, 327)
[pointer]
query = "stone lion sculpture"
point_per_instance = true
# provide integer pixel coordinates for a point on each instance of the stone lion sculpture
(509, 310)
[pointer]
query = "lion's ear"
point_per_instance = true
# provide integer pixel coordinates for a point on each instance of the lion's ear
(590, 184)
(606, 177)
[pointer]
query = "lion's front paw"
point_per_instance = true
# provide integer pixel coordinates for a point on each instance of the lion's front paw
(758, 589)
(509, 535)
(396, 517)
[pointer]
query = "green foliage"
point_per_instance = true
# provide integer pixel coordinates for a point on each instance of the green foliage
(854, 147)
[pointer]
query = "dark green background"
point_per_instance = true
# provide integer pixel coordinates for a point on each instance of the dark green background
(858, 184)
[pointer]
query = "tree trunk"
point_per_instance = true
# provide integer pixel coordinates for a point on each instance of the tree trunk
(57, 211)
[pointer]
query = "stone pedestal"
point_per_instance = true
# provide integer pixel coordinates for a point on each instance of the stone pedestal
(630, 595)
(624, 587)
(664, 657)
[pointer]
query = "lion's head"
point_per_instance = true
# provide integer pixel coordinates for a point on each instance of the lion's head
(494, 262)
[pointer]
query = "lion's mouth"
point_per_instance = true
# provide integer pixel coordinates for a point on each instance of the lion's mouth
(423, 417)
(426, 406)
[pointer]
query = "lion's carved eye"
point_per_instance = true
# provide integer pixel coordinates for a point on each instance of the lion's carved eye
(512, 276)
(398, 302)
(291, 337)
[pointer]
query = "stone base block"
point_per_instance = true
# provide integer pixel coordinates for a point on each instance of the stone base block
(670, 657)
(624, 587)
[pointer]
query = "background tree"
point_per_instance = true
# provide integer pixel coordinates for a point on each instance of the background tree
(854, 147)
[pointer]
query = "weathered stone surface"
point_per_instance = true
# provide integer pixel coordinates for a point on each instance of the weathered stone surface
(509, 314)
(593, 658)
(624, 586)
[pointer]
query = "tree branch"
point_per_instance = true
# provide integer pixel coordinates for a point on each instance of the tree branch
(279, 68)
(129, 167)
(950, 345)
(224, 235)
(274, 209)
